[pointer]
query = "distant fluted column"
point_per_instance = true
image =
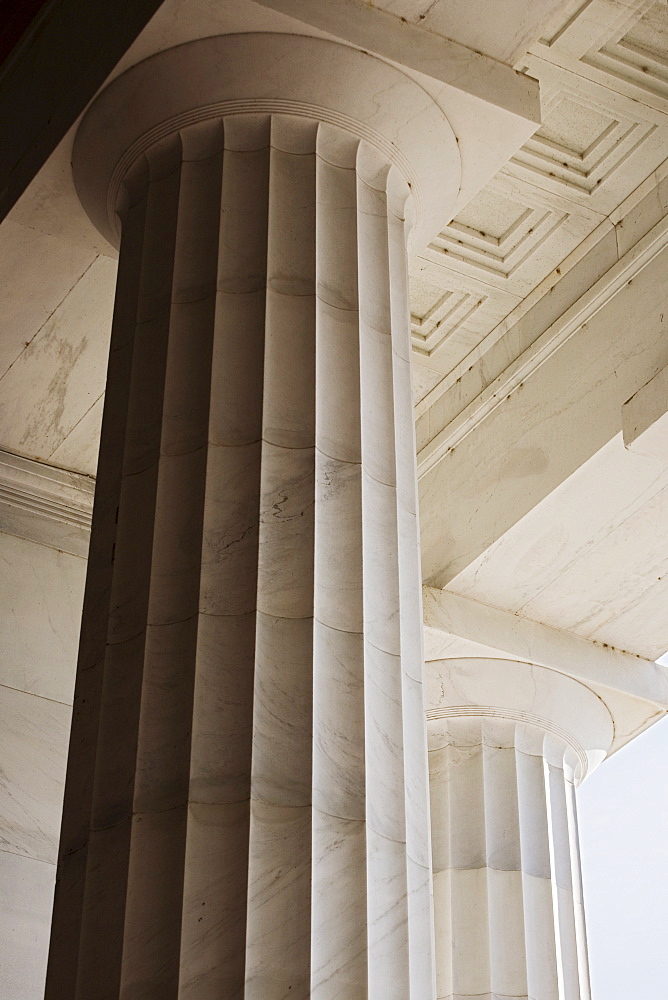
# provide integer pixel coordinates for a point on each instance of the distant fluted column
(246, 812)
(508, 743)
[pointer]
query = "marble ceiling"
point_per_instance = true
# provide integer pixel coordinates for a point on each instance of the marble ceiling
(603, 69)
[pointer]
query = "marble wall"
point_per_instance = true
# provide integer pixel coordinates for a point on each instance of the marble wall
(41, 591)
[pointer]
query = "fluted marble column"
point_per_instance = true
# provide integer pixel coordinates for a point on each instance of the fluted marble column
(508, 743)
(246, 811)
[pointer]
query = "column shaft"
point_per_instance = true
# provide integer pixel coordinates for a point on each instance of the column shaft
(246, 806)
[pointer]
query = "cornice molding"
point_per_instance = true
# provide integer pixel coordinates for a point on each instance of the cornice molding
(44, 504)
(559, 333)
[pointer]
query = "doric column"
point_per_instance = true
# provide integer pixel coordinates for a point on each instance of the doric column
(246, 804)
(508, 743)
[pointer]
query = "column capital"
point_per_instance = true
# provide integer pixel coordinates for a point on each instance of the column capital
(633, 689)
(269, 74)
(553, 715)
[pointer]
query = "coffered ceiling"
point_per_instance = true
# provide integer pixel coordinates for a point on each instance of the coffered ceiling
(603, 71)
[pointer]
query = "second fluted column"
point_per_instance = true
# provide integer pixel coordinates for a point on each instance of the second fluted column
(508, 744)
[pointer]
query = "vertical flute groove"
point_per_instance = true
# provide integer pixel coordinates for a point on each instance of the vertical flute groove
(278, 949)
(505, 899)
(416, 771)
(105, 901)
(155, 879)
(339, 928)
(385, 808)
(563, 881)
(65, 947)
(541, 947)
(215, 883)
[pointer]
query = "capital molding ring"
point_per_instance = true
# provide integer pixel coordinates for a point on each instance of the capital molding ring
(225, 109)
(524, 718)
(268, 73)
(525, 693)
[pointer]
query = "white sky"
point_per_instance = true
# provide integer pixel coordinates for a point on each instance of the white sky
(623, 816)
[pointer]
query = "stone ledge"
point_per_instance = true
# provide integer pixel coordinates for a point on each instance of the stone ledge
(635, 690)
(44, 504)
